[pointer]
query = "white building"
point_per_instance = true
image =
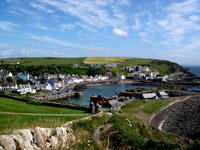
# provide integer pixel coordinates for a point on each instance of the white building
(26, 88)
(150, 96)
(10, 86)
(121, 77)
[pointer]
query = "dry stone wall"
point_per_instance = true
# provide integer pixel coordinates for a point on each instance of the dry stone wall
(41, 138)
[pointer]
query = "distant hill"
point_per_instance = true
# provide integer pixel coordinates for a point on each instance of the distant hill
(165, 67)
(122, 61)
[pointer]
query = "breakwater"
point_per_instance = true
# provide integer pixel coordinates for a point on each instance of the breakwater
(185, 119)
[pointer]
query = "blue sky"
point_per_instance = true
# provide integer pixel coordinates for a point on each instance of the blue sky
(161, 29)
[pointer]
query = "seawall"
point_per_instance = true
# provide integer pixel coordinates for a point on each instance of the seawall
(181, 117)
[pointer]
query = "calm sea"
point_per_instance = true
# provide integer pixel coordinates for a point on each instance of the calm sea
(104, 90)
(194, 69)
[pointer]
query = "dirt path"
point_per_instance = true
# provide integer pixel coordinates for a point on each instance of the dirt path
(97, 132)
(144, 117)
(30, 114)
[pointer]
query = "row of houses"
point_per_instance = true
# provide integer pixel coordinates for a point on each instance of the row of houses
(48, 82)
(136, 68)
(148, 76)
(21, 89)
(9, 63)
(97, 66)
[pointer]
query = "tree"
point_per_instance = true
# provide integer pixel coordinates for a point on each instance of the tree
(9, 79)
(21, 81)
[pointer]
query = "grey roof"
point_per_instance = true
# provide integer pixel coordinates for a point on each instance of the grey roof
(149, 95)
(163, 93)
(114, 103)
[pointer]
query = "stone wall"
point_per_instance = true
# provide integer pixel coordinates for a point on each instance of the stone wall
(41, 138)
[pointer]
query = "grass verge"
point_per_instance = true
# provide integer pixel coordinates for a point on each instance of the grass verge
(8, 123)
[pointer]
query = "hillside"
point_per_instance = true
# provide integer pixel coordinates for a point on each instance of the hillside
(165, 67)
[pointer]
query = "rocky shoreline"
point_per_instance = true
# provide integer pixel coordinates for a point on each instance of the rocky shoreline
(185, 119)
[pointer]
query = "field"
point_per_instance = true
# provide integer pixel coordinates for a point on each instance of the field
(105, 60)
(45, 61)
(9, 105)
(122, 61)
(9, 122)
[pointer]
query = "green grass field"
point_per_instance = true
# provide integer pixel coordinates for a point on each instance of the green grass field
(10, 105)
(105, 60)
(154, 105)
(45, 61)
(122, 61)
(9, 122)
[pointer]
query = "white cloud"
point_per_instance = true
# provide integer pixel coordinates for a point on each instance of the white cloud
(179, 20)
(194, 18)
(67, 44)
(40, 7)
(137, 25)
(7, 26)
(41, 27)
(25, 52)
(144, 37)
(92, 13)
(119, 32)
(67, 26)
(6, 53)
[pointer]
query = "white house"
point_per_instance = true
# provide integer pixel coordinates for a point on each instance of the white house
(150, 96)
(10, 86)
(121, 77)
(25, 88)
(39, 87)
(163, 95)
(75, 80)
(49, 87)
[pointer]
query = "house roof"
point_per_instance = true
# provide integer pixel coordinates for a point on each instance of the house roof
(8, 83)
(163, 93)
(114, 103)
(149, 95)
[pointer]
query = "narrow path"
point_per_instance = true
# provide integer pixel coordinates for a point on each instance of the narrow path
(97, 132)
(97, 135)
(30, 114)
(144, 117)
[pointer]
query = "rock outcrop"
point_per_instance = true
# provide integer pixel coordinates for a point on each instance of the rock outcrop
(37, 139)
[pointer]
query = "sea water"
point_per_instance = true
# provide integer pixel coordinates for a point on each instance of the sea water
(103, 90)
(195, 70)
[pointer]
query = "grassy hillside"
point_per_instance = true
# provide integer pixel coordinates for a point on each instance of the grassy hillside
(164, 67)
(10, 122)
(10, 105)
(126, 129)
(45, 61)
(122, 61)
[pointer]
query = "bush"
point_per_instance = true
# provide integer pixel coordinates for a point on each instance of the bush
(35, 102)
